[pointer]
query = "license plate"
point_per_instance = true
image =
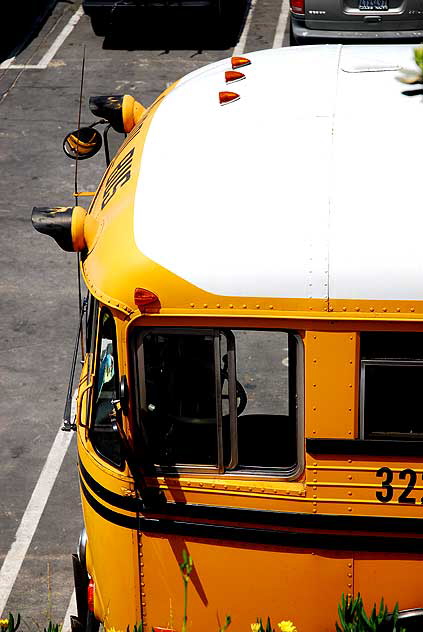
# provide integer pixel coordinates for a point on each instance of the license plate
(373, 5)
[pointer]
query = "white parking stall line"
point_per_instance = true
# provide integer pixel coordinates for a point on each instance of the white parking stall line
(48, 56)
(66, 627)
(240, 47)
(23, 67)
(15, 556)
(281, 26)
(7, 63)
(67, 30)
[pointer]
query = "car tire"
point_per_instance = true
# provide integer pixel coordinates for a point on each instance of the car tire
(292, 39)
(93, 624)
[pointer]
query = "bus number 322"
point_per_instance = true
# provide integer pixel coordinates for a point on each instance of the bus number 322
(387, 492)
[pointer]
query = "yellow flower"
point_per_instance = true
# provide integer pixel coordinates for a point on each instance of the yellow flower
(287, 626)
(255, 627)
(4, 623)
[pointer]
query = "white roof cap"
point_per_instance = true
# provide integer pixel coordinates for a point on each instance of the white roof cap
(305, 187)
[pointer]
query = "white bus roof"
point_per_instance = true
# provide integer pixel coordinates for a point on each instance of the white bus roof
(307, 186)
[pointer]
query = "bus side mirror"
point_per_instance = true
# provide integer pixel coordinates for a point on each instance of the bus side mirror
(120, 110)
(82, 143)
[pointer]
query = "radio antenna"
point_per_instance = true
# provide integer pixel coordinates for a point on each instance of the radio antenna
(78, 256)
(68, 423)
(81, 89)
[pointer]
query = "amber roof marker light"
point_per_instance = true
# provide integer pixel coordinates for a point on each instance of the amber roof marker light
(146, 300)
(239, 62)
(233, 75)
(228, 97)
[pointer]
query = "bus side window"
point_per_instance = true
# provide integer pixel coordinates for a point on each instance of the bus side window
(267, 425)
(180, 404)
(223, 399)
(391, 404)
(104, 438)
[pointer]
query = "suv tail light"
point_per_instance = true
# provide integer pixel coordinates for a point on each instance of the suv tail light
(297, 6)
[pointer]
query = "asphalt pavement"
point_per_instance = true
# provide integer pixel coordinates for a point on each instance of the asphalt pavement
(40, 76)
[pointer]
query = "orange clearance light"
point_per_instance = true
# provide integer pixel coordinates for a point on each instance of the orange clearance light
(146, 301)
(228, 97)
(90, 595)
(233, 75)
(239, 62)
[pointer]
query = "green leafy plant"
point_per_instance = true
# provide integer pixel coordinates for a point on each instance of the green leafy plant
(418, 57)
(53, 627)
(9, 625)
(284, 626)
(186, 567)
(226, 624)
(353, 617)
(411, 76)
(258, 627)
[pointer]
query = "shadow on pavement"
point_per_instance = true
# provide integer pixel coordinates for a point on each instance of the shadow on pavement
(24, 22)
(170, 30)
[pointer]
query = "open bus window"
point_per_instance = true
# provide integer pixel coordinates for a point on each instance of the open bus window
(103, 436)
(391, 385)
(220, 399)
(267, 428)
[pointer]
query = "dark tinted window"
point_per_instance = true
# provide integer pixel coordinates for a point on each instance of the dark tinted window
(391, 385)
(219, 398)
(180, 413)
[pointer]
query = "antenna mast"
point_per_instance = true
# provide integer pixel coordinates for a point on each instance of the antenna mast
(69, 424)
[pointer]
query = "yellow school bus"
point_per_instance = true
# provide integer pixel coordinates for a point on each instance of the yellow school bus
(251, 391)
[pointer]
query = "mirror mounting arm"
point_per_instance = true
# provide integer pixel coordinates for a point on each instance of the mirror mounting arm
(106, 144)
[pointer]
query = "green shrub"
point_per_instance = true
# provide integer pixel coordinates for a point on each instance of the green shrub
(353, 617)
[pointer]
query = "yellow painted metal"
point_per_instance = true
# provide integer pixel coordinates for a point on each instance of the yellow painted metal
(331, 404)
(137, 573)
(245, 582)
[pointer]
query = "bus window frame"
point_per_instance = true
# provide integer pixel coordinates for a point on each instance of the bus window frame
(139, 360)
(91, 324)
(296, 401)
(97, 336)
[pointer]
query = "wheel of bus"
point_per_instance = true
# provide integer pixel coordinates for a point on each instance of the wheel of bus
(93, 624)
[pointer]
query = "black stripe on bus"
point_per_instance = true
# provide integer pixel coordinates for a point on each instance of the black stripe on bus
(129, 522)
(122, 502)
(381, 524)
(347, 542)
(368, 447)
